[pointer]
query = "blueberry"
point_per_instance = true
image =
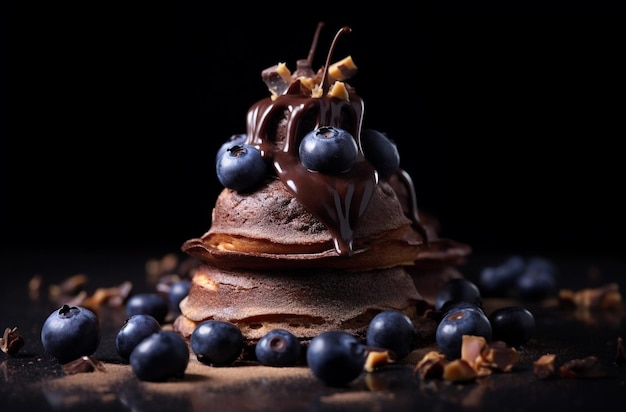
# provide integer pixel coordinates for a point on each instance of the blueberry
(458, 290)
(241, 168)
(535, 285)
(541, 264)
(336, 357)
(234, 140)
(328, 150)
(178, 291)
(217, 343)
(133, 331)
(514, 325)
(459, 322)
(278, 347)
(71, 332)
(392, 330)
(151, 304)
(381, 152)
(159, 357)
(454, 305)
(501, 279)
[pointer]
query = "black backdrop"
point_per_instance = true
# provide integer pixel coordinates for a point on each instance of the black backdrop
(510, 118)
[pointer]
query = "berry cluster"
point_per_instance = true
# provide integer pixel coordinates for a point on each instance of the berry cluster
(335, 357)
(326, 149)
(460, 312)
(530, 279)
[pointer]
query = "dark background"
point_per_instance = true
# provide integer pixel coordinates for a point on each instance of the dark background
(509, 117)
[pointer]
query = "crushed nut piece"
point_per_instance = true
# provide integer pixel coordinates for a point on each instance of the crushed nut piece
(543, 367)
(83, 364)
(70, 287)
(431, 365)
(472, 347)
(377, 358)
(606, 297)
(11, 341)
(459, 370)
(498, 356)
(34, 287)
(582, 368)
(343, 69)
(339, 91)
(114, 296)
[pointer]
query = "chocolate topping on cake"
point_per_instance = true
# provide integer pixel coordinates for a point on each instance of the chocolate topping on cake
(311, 247)
(277, 124)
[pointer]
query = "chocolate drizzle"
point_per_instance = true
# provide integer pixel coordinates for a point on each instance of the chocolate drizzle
(276, 126)
(337, 200)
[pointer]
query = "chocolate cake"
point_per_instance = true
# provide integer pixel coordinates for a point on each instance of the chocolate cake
(312, 249)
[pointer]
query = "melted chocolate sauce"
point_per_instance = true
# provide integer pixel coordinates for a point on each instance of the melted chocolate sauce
(276, 126)
(337, 200)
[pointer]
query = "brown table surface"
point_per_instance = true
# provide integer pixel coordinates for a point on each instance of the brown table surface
(30, 380)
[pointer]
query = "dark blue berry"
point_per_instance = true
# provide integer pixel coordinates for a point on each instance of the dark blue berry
(278, 347)
(71, 332)
(535, 285)
(160, 357)
(217, 343)
(381, 152)
(392, 330)
(328, 150)
(454, 305)
(514, 325)
(178, 291)
(459, 322)
(457, 290)
(234, 140)
(241, 168)
(541, 264)
(151, 304)
(336, 357)
(501, 279)
(133, 331)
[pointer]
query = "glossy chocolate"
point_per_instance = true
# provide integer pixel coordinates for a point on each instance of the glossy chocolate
(276, 125)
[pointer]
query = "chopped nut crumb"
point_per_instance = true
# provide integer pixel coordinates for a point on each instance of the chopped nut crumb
(11, 341)
(607, 297)
(34, 287)
(114, 296)
(339, 91)
(497, 356)
(582, 368)
(471, 348)
(343, 69)
(376, 359)
(543, 367)
(459, 370)
(481, 357)
(431, 365)
(67, 289)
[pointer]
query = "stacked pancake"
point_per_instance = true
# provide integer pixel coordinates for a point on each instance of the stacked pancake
(309, 251)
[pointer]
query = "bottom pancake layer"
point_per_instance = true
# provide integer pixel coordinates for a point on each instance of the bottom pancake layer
(306, 303)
